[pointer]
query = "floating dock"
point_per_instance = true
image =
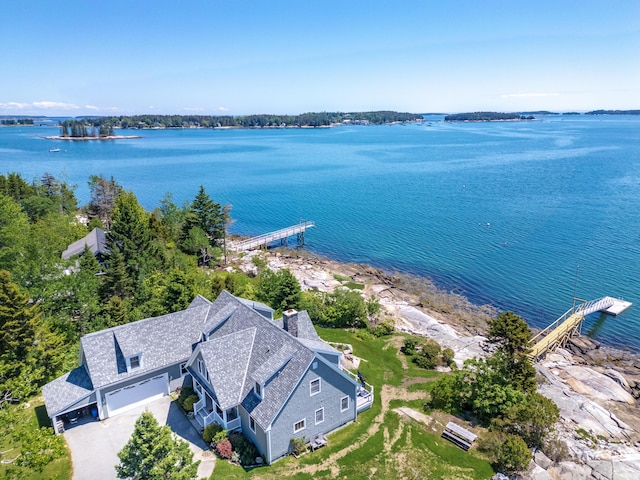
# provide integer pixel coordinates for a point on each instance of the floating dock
(618, 307)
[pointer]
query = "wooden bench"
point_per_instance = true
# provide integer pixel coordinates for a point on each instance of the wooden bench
(458, 435)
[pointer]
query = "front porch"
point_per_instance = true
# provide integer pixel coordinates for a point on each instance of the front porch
(206, 411)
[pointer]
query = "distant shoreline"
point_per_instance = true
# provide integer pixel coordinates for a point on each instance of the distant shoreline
(80, 139)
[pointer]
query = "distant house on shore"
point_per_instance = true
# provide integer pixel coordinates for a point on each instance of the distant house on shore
(96, 240)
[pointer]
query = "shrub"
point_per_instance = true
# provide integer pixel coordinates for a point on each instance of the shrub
(298, 445)
(210, 432)
(383, 329)
(447, 356)
(188, 403)
(219, 437)
(184, 394)
(224, 449)
(409, 346)
(513, 455)
(247, 452)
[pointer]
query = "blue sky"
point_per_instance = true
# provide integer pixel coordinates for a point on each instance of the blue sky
(63, 57)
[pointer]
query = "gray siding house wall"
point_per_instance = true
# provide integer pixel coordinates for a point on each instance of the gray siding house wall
(303, 406)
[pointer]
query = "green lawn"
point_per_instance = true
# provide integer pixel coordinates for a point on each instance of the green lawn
(23, 426)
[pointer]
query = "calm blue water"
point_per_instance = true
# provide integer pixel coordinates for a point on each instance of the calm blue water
(505, 213)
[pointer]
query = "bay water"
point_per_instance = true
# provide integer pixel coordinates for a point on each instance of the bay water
(522, 215)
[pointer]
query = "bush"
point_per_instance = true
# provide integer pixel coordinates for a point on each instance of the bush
(219, 437)
(513, 455)
(184, 394)
(298, 445)
(383, 329)
(447, 356)
(409, 346)
(246, 450)
(224, 449)
(189, 402)
(210, 432)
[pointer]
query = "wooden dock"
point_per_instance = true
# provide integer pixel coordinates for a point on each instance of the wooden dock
(282, 236)
(570, 323)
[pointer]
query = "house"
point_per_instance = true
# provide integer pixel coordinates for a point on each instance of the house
(96, 241)
(272, 379)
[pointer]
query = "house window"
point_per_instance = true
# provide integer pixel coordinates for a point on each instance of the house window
(319, 415)
(344, 403)
(258, 389)
(299, 426)
(314, 365)
(134, 362)
(252, 424)
(183, 369)
(201, 367)
(315, 386)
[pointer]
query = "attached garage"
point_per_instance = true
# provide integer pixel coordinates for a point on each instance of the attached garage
(137, 394)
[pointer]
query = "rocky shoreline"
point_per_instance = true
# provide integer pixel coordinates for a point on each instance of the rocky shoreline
(597, 388)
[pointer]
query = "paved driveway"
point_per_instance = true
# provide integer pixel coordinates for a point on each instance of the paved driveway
(95, 445)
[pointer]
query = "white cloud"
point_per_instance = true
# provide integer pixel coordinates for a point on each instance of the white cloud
(91, 107)
(55, 105)
(223, 109)
(14, 105)
(519, 95)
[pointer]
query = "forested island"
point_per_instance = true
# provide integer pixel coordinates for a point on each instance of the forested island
(485, 117)
(613, 112)
(16, 121)
(312, 119)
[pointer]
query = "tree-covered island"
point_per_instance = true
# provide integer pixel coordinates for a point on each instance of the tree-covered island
(103, 127)
(485, 117)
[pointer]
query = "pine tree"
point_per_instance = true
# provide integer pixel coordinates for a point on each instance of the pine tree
(206, 214)
(154, 453)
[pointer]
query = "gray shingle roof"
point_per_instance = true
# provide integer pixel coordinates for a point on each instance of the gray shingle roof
(281, 376)
(227, 358)
(96, 240)
(66, 390)
(162, 341)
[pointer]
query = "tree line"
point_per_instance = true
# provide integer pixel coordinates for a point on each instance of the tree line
(485, 117)
(18, 121)
(311, 119)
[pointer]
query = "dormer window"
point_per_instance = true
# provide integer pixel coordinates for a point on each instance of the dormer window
(135, 361)
(258, 389)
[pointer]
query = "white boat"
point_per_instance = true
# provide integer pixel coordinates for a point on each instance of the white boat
(54, 150)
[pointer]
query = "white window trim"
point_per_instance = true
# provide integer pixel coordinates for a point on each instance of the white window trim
(311, 392)
(131, 367)
(258, 388)
(304, 425)
(341, 401)
(252, 422)
(183, 369)
(315, 417)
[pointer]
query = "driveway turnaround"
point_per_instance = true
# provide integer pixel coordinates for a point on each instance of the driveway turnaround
(95, 445)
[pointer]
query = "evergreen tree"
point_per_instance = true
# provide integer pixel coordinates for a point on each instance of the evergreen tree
(18, 321)
(206, 214)
(130, 234)
(280, 289)
(154, 453)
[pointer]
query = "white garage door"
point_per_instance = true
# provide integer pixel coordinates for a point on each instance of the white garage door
(137, 394)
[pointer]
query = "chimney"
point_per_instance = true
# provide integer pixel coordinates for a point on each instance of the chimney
(290, 321)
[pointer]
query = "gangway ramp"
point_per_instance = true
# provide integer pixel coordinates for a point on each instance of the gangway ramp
(282, 236)
(570, 323)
